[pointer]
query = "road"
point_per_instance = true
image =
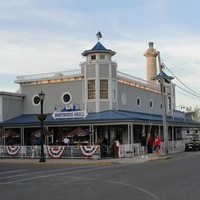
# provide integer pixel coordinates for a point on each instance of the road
(177, 178)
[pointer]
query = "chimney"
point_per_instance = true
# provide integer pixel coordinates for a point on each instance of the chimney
(151, 62)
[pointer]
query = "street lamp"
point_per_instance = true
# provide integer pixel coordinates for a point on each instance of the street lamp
(162, 77)
(42, 117)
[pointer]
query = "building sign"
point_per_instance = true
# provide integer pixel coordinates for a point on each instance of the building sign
(178, 114)
(69, 114)
(68, 111)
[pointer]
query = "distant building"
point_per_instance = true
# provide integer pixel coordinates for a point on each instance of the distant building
(182, 108)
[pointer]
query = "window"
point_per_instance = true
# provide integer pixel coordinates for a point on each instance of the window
(138, 102)
(113, 90)
(113, 95)
(66, 97)
(103, 89)
(91, 89)
(102, 57)
(169, 103)
(124, 99)
(93, 57)
(36, 100)
(151, 104)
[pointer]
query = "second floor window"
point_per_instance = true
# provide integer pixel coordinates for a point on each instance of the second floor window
(103, 89)
(102, 56)
(91, 89)
(93, 57)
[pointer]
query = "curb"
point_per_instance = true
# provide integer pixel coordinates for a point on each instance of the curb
(59, 163)
(159, 158)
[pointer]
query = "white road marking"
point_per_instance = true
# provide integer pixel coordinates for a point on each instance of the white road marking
(52, 175)
(153, 196)
(8, 172)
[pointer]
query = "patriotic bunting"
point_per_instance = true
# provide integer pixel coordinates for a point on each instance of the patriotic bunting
(55, 152)
(88, 150)
(12, 150)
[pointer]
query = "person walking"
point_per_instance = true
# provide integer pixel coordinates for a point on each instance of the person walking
(144, 145)
(149, 143)
(157, 144)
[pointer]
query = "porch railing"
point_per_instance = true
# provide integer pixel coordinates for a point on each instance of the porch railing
(86, 152)
(131, 150)
(55, 152)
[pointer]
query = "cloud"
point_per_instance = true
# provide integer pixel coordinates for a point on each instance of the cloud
(13, 3)
(48, 36)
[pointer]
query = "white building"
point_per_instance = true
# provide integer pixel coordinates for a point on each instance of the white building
(97, 97)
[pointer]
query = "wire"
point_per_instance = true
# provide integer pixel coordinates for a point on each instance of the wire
(187, 95)
(187, 91)
(180, 67)
(181, 82)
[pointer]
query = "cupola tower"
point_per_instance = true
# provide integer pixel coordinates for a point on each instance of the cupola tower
(100, 79)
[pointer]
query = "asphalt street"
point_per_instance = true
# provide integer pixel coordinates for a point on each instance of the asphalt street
(175, 178)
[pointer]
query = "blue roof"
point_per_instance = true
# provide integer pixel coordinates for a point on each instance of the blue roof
(98, 46)
(163, 75)
(109, 116)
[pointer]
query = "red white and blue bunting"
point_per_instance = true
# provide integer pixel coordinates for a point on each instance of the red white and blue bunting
(88, 150)
(55, 152)
(12, 150)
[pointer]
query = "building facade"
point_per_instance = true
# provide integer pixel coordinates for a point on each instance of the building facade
(97, 97)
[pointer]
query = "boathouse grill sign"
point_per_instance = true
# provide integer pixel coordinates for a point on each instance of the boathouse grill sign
(69, 114)
(69, 111)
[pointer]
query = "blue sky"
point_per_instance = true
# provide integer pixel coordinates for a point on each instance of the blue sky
(39, 36)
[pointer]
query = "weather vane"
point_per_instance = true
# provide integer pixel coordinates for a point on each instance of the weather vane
(99, 35)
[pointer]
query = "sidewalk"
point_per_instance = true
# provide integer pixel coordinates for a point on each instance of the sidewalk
(103, 161)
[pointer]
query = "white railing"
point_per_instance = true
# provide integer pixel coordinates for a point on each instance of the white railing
(137, 80)
(173, 145)
(131, 150)
(57, 152)
(48, 75)
(125, 150)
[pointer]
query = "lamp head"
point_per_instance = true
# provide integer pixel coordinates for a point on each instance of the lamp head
(41, 96)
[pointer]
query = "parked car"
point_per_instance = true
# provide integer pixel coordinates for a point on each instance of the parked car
(193, 144)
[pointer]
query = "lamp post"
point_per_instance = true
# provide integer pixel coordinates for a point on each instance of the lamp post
(42, 117)
(162, 78)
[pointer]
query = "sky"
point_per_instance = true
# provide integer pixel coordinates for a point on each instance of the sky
(41, 36)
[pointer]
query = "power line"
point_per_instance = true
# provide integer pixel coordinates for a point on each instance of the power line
(177, 91)
(196, 94)
(181, 68)
(188, 91)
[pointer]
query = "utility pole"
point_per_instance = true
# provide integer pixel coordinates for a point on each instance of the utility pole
(164, 108)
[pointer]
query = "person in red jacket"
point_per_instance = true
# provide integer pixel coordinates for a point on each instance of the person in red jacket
(157, 143)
